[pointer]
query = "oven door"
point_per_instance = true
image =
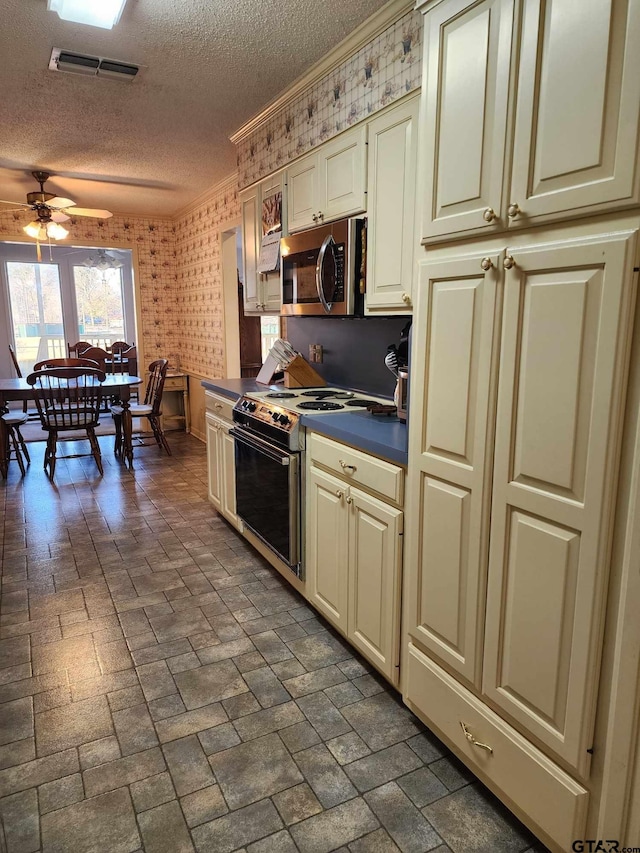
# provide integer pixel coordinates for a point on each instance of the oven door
(268, 494)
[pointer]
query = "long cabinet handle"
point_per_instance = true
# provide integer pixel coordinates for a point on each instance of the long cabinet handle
(472, 739)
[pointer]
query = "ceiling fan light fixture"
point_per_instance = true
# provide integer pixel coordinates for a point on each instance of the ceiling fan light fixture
(95, 13)
(103, 261)
(45, 230)
(55, 231)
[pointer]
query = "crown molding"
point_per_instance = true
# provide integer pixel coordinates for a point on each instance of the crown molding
(230, 182)
(366, 32)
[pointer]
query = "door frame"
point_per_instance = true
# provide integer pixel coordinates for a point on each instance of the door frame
(229, 237)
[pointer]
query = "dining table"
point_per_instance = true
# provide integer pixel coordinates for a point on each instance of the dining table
(117, 385)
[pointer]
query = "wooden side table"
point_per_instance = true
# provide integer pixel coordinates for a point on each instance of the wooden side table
(176, 385)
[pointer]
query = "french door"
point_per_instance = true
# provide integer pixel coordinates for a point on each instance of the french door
(62, 300)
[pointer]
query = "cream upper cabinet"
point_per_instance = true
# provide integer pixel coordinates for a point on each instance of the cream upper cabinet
(249, 205)
(467, 59)
(577, 109)
(392, 155)
(329, 183)
(263, 209)
(451, 397)
(353, 550)
(570, 86)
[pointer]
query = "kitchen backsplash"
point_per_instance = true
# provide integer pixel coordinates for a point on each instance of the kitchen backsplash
(353, 349)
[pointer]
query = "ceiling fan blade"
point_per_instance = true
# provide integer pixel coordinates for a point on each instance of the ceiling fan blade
(17, 203)
(60, 202)
(86, 211)
(59, 216)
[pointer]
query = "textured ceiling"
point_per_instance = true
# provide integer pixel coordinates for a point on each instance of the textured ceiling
(151, 146)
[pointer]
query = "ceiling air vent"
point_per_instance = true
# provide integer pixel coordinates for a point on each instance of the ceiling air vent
(79, 63)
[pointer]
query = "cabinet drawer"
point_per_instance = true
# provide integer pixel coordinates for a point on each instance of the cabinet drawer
(540, 792)
(358, 468)
(174, 383)
(218, 405)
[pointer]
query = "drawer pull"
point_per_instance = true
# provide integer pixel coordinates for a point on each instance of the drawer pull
(349, 500)
(346, 467)
(339, 494)
(472, 740)
(218, 405)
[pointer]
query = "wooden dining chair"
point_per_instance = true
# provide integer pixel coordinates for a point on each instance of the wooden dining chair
(32, 414)
(13, 421)
(65, 362)
(150, 408)
(68, 398)
(97, 354)
(78, 348)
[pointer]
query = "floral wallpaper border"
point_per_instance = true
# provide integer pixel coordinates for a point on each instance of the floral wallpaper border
(383, 70)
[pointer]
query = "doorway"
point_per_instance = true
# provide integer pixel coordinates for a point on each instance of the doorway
(248, 338)
(73, 294)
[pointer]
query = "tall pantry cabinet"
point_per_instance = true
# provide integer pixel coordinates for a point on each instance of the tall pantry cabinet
(523, 326)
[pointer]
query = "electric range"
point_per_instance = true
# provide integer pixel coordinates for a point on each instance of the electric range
(275, 415)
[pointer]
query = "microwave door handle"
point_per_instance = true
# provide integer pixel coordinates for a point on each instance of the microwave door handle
(328, 241)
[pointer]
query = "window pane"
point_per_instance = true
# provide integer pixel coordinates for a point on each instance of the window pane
(100, 305)
(269, 333)
(36, 312)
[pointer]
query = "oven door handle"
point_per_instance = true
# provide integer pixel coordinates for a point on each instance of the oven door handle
(281, 457)
(328, 241)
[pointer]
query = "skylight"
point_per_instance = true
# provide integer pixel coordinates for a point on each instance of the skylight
(95, 13)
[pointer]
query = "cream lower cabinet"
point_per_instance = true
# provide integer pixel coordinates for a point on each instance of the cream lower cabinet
(353, 549)
(530, 112)
(393, 151)
(518, 372)
(221, 456)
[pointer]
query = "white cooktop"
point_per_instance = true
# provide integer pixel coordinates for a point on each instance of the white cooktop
(328, 400)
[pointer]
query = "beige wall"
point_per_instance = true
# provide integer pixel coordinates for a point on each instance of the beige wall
(199, 305)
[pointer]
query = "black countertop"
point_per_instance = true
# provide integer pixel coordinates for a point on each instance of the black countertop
(383, 436)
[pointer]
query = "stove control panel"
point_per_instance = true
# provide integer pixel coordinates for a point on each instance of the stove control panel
(255, 412)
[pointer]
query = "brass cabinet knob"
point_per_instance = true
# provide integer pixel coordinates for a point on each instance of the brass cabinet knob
(508, 263)
(320, 215)
(513, 210)
(486, 264)
(489, 214)
(315, 217)
(349, 500)
(406, 298)
(339, 494)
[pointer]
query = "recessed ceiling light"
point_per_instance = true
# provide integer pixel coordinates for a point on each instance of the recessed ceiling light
(95, 13)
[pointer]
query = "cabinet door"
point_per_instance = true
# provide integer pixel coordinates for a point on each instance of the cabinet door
(214, 462)
(467, 58)
(326, 546)
(250, 249)
(576, 131)
(342, 175)
(302, 193)
(566, 329)
(449, 445)
(375, 560)
(228, 465)
(393, 148)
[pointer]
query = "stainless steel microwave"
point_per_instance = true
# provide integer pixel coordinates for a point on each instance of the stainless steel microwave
(322, 270)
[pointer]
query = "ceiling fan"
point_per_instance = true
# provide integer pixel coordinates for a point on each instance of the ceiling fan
(50, 211)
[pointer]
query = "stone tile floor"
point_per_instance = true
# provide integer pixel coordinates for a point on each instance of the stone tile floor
(163, 689)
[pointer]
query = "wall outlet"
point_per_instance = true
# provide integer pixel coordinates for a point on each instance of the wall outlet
(315, 353)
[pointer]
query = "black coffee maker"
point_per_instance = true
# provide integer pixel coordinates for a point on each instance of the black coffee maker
(397, 360)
